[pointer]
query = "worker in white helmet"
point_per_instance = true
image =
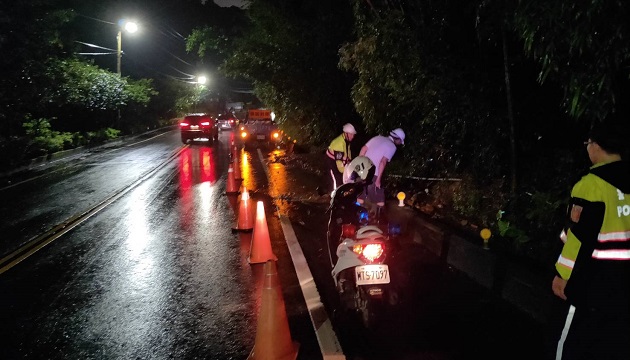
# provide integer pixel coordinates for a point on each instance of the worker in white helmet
(380, 149)
(338, 155)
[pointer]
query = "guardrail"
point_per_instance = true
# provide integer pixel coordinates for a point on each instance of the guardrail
(527, 288)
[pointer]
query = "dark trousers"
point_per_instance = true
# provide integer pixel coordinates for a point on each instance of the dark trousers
(583, 333)
(332, 175)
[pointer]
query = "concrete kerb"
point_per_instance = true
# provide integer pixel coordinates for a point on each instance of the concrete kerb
(526, 288)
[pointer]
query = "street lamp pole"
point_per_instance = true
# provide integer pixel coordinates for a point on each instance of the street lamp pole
(130, 27)
(119, 52)
(118, 68)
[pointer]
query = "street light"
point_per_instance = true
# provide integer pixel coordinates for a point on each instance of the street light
(201, 80)
(130, 27)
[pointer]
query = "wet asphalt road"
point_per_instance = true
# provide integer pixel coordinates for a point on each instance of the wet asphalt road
(159, 274)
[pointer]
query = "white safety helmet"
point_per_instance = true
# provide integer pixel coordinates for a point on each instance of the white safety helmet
(360, 168)
(348, 128)
(399, 134)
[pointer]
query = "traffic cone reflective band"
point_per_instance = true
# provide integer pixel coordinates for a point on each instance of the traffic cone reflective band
(245, 220)
(231, 187)
(233, 150)
(273, 337)
(237, 168)
(260, 250)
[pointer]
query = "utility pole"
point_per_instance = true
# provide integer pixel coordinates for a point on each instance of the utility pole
(119, 52)
(118, 68)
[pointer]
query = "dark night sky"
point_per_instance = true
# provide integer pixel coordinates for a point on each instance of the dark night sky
(158, 48)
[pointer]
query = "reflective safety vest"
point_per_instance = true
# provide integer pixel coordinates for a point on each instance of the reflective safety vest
(595, 258)
(339, 150)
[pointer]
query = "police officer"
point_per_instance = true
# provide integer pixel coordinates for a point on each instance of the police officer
(380, 150)
(593, 269)
(338, 155)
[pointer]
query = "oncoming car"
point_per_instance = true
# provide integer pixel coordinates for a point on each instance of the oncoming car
(195, 127)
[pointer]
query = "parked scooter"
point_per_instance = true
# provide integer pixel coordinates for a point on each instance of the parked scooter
(358, 250)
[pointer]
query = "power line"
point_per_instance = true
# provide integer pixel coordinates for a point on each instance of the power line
(93, 18)
(95, 46)
(109, 53)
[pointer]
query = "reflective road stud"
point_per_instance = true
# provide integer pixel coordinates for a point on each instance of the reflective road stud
(485, 235)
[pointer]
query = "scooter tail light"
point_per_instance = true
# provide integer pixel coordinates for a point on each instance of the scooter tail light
(348, 231)
(371, 253)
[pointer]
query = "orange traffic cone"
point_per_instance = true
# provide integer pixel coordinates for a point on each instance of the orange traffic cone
(233, 150)
(273, 337)
(237, 168)
(260, 250)
(245, 220)
(231, 187)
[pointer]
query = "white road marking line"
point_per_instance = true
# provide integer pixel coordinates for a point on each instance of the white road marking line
(326, 336)
(328, 342)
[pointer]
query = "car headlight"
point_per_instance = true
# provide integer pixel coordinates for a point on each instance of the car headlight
(244, 134)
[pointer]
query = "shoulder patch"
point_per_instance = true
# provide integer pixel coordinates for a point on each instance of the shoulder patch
(576, 211)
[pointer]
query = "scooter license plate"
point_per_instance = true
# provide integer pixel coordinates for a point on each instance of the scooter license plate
(372, 274)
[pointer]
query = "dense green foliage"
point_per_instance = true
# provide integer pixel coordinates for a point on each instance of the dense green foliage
(586, 46)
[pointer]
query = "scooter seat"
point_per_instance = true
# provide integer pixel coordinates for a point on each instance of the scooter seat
(369, 231)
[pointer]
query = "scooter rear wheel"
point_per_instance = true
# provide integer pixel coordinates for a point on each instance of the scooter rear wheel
(370, 314)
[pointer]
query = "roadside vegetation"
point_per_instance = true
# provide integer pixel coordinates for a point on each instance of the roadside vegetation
(52, 99)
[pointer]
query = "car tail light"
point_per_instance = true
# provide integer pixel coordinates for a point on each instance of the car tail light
(184, 124)
(348, 231)
(370, 252)
(231, 121)
(205, 123)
